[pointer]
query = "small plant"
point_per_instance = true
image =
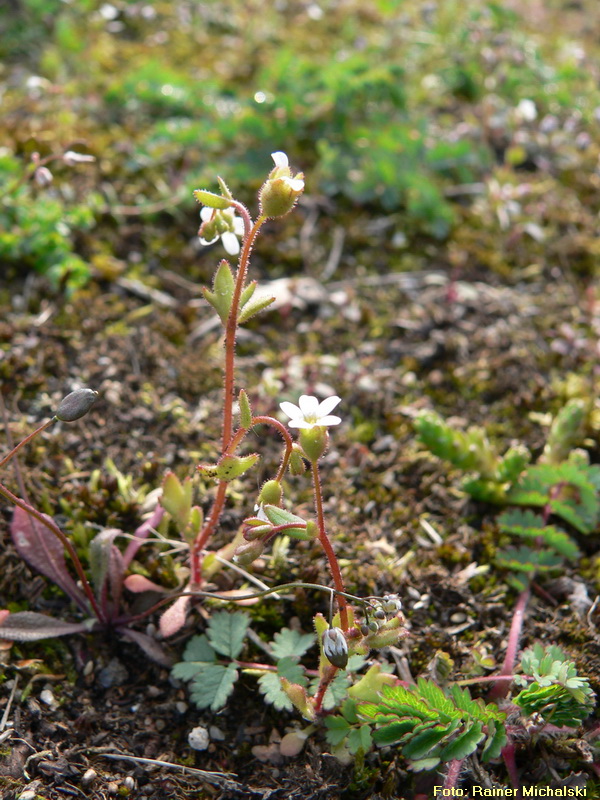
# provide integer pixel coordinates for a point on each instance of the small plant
(37, 224)
(42, 544)
(211, 661)
(432, 726)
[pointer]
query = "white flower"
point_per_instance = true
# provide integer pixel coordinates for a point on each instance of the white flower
(71, 158)
(281, 162)
(234, 227)
(309, 413)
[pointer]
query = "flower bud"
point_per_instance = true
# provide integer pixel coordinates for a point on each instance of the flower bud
(76, 405)
(71, 158)
(247, 552)
(270, 493)
(297, 465)
(281, 190)
(335, 647)
(43, 177)
(314, 442)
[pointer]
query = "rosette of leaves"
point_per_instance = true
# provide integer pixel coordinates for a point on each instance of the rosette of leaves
(432, 727)
(472, 452)
(557, 692)
(549, 546)
(569, 490)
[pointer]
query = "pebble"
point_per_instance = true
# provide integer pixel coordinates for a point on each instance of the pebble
(47, 697)
(89, 776)
(216, 734)
(198, 738)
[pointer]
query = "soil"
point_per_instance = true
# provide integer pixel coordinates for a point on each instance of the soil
(87, 711)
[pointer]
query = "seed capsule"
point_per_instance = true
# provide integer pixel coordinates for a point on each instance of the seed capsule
(335, 647)
(76, 405)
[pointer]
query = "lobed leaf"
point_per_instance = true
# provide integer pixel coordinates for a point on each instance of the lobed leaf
(288, 642)
(226, 632)
(213, 685)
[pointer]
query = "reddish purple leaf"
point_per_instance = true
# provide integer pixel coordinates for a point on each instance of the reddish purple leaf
(174, 617)
(141, 533)
(42, 550)
(28, 626)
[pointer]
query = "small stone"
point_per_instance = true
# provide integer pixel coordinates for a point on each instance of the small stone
(129, 783)
(48, 698)
(198, 738)
(181, 706)
(89, 776)
(216, 734)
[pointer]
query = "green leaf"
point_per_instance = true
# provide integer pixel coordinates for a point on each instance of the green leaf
(254, 307)
(464, 744)
(214, 684)
(287, 642)
(280, 516)
(525, 559)
(211, 199)
(567, 488)
(530, 525)
(226, 632)
(270, 684)
(229, 467)
(198, 649)
(359, 739)
(392, 733)
(337, 729)
(245, 410)
(495, 742)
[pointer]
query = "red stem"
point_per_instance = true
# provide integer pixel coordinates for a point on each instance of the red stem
(228, 392)
(27, 439)
(500, 690)
(327, 547)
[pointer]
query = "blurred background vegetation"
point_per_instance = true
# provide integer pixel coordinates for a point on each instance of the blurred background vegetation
(460, 133)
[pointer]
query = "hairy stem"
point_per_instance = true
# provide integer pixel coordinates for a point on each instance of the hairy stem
(501, 689)
(228, 392)
(328, 548)
(27, 439)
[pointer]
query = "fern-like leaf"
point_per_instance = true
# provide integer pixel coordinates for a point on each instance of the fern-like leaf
(431, 726)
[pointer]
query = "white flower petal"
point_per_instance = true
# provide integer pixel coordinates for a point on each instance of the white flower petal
(238, 226)
(231, 243)
(329, 420)
(295, 184)
(309, 406)
(206, 213)
(205, 242)
(301, 423)
(292, 411)
(327, 405)
(280, 159)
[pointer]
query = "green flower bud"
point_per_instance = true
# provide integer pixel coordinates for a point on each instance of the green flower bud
(314, 442)
(297, 465)
(76, 405)
(270, 493)
(247, 552)
(281, 190)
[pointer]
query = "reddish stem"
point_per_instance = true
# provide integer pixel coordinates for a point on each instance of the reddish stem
(500, 690)
(327, 547)
(228, 392)
(27, 439)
